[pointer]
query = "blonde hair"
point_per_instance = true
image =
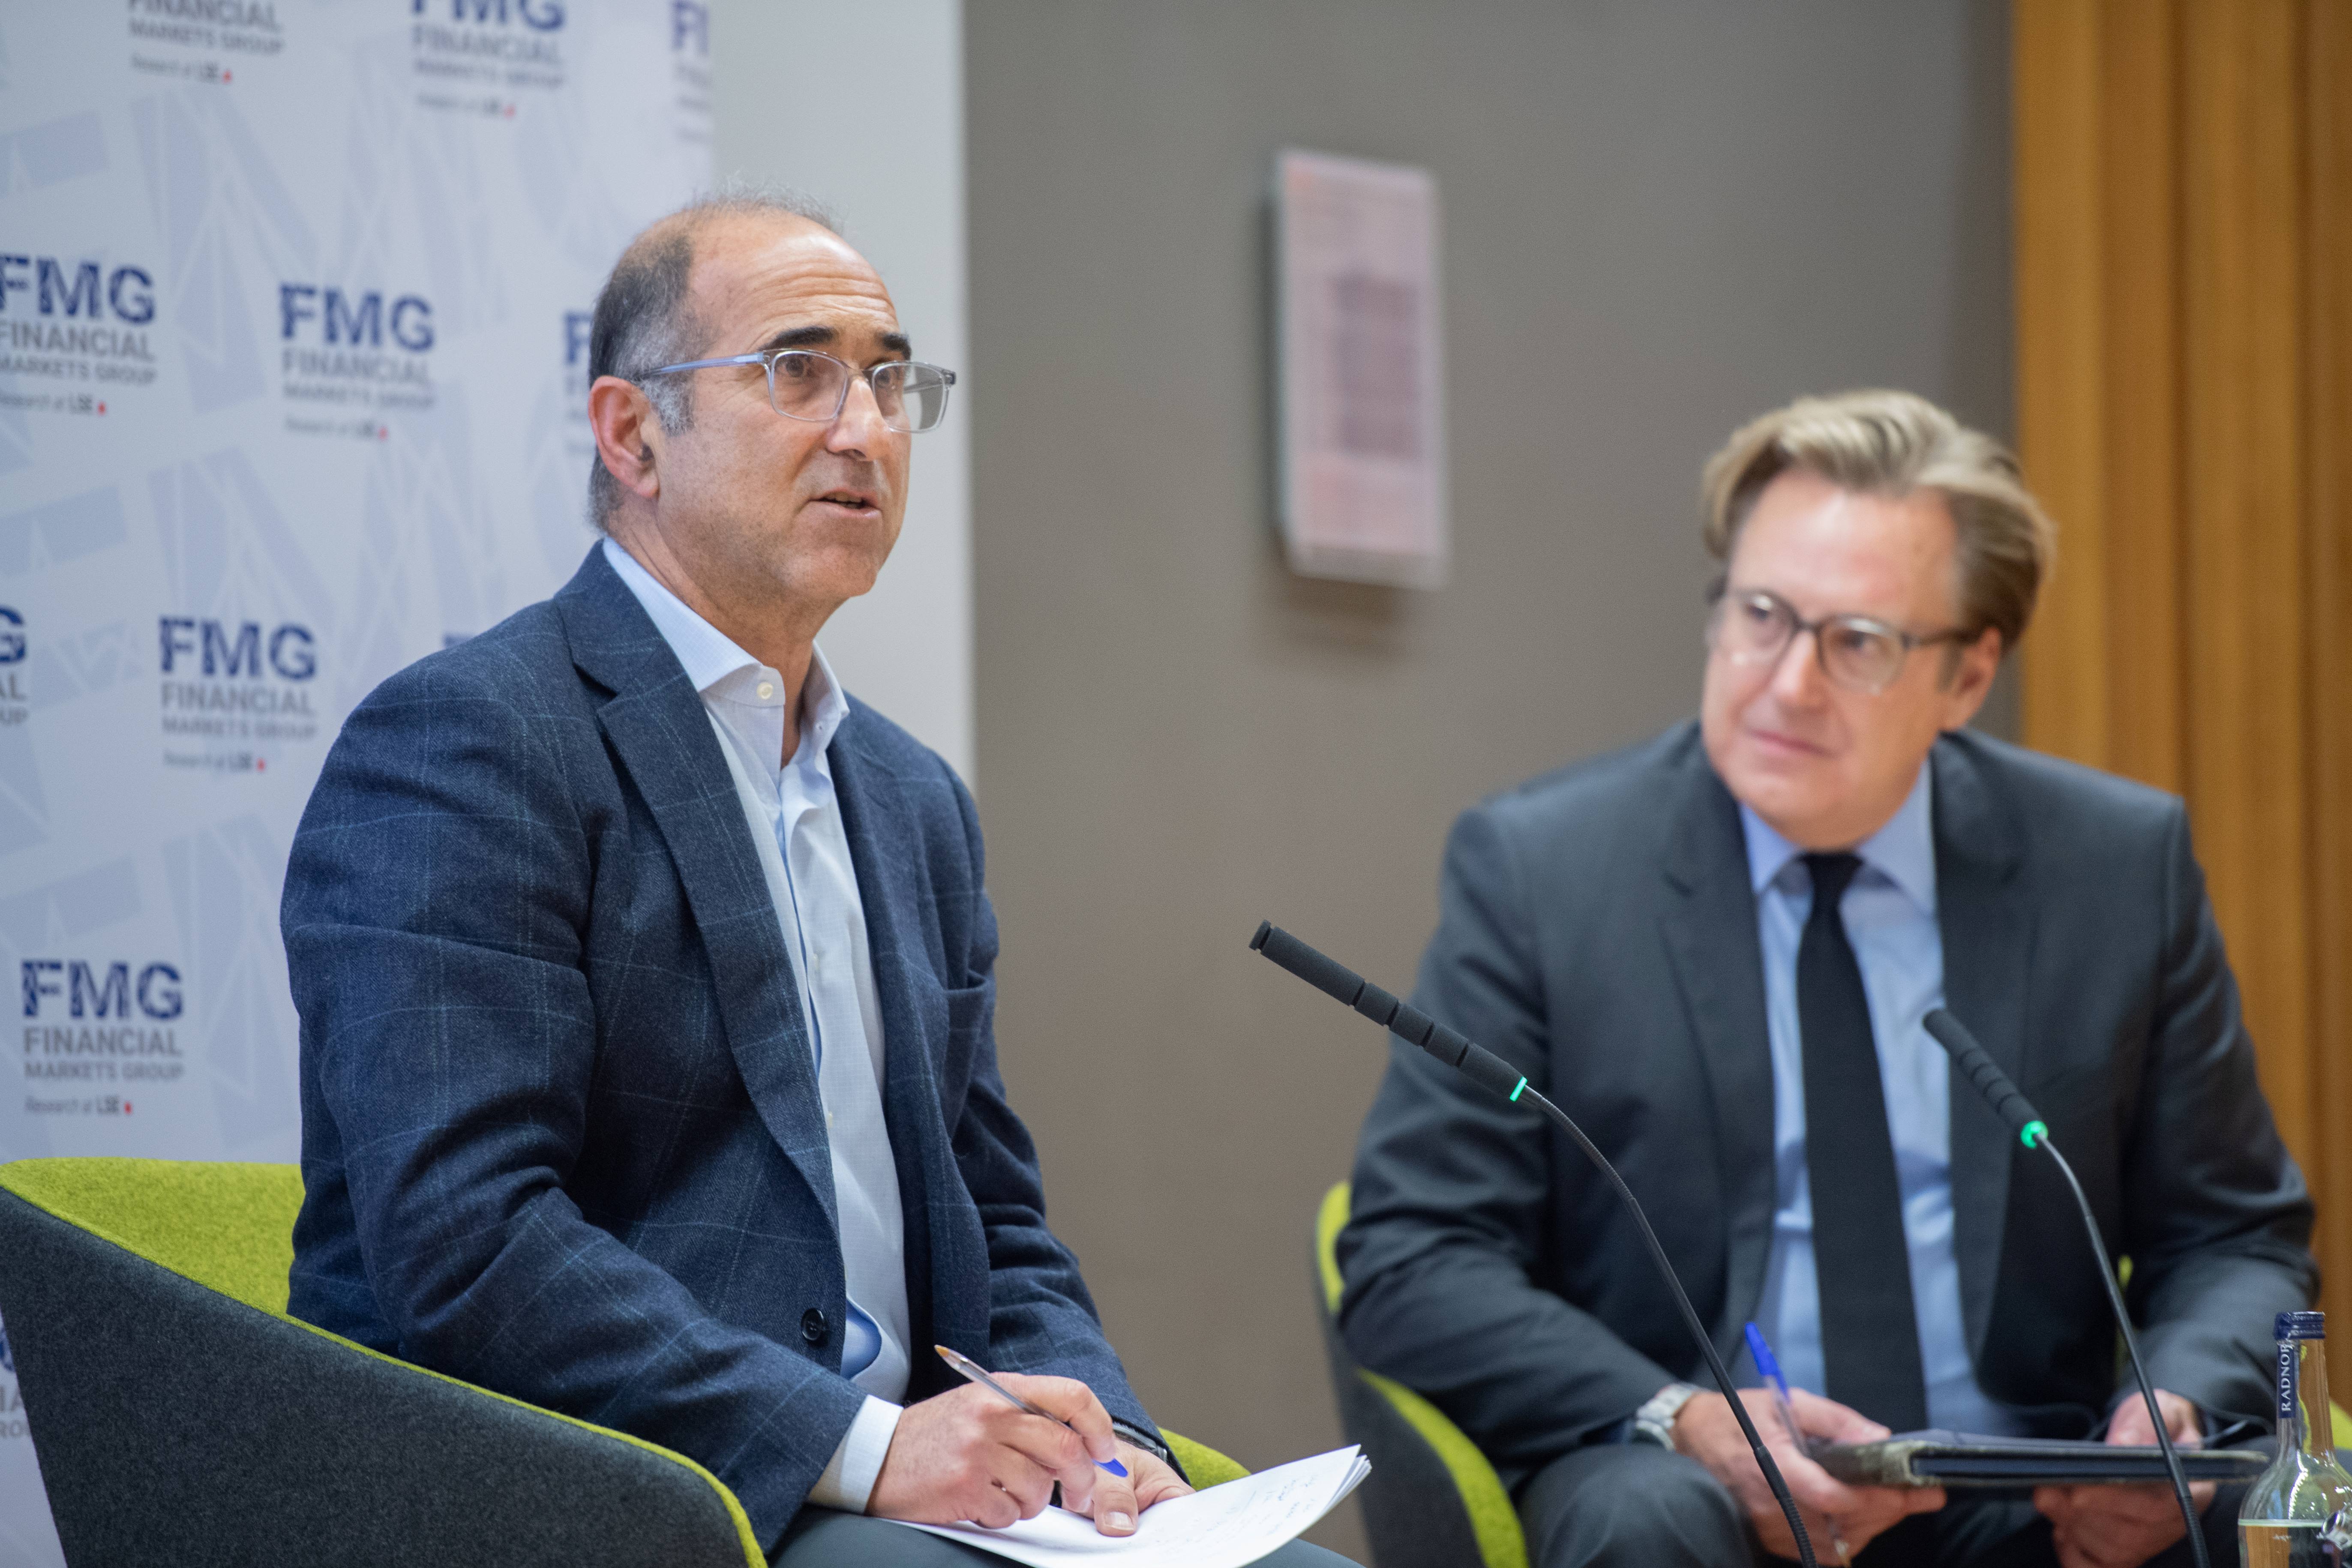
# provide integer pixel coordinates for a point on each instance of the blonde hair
(1890, 443)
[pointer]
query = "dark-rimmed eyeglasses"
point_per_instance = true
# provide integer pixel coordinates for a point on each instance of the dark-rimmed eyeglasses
(805, 384)
(1755, 625)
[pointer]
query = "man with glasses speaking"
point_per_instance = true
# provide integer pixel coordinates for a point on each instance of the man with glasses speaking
(1714, 950)
(647, 979)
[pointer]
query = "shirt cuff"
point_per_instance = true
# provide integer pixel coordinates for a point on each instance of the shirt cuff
(849, 1475)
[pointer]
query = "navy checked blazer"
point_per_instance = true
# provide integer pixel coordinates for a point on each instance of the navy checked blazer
(561, 1131)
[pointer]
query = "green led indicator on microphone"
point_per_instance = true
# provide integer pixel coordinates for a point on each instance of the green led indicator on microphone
(2033, 1134)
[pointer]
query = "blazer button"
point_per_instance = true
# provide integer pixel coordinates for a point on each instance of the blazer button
(812, 1326)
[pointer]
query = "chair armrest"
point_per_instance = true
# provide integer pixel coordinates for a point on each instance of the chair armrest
(1433, 1499)
(1201, 1465)
(175, 1425)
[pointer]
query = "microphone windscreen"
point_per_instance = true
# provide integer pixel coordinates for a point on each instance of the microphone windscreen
(1982, 1071)
(1337, 980)
(1327, 975)
(1377, 1005)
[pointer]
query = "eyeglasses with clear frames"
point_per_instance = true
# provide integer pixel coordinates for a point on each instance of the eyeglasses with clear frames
(1755, 626)
(805, 384)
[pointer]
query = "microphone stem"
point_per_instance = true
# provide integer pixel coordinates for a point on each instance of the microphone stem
(2131, 1346)
(1707, 1344)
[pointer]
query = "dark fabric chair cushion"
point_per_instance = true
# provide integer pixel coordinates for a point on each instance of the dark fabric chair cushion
(177, 1426)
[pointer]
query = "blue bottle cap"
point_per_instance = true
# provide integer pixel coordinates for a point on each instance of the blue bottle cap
(2301, 1326)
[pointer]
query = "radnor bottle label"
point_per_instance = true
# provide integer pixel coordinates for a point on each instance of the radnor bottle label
(2298, 1512)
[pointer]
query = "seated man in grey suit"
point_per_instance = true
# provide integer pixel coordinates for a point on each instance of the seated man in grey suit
(1713, 946)
(646, 978)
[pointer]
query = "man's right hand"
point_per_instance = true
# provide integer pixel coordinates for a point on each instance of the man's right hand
(1705, 1430)
(967, 1455)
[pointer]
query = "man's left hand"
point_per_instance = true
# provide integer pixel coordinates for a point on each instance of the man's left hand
(1118, 1504)
(2123, 1526)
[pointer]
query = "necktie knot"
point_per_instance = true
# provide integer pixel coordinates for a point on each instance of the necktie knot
(1832, 873)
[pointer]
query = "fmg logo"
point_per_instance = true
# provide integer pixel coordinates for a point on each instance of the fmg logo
(356, 321)
(14, 697)
(545, 16)
(577, 326)
(88, 993)
(55, 288)
(236, 652)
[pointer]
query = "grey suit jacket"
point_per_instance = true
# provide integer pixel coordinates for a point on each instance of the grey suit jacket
(1598, 929)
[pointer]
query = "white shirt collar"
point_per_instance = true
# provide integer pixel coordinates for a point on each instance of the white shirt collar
(1904, 850)
(824, 704)
(718, 667)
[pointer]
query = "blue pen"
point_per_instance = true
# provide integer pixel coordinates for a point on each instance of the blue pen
(1768, 1366)
(969, 1369)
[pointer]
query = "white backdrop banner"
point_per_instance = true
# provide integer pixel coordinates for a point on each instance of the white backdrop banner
(294, 304)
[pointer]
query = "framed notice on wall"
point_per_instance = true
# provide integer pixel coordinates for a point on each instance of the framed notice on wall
(1361, 406)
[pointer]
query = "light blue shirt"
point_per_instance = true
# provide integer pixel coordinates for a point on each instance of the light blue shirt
(1890, 920)
(802, 844)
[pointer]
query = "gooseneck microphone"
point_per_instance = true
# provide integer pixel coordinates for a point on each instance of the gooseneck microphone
(1344, 984)
(2013, 1108)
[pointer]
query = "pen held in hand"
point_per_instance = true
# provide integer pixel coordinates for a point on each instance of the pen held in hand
(1768, 1366)
(968, 1368)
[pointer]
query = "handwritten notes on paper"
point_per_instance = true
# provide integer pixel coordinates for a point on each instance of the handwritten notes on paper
(1224, 1527)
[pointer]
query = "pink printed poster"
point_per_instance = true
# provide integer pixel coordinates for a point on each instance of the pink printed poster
(1362, 369)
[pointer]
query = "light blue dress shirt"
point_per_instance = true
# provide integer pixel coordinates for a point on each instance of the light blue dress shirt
(1890, 920)
(802, 844)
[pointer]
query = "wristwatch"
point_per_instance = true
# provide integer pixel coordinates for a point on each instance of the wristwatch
(1126, 1434)
(1654, 1422)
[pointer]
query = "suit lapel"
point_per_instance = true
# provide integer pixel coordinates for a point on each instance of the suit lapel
(660, 732)
(1709, 927)
(946, 1263)
(1986, 920)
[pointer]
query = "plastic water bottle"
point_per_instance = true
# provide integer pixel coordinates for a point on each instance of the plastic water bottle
(2298, 1513)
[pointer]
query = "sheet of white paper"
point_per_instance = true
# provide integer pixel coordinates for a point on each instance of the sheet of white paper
(1224, 1527)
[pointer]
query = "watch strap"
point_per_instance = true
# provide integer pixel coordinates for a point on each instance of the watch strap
(1654, 1421)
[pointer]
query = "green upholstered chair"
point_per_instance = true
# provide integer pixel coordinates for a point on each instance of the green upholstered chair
(1432, 1501)
(182, 1418)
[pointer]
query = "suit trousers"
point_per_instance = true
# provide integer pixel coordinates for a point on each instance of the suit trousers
(1637, 1505)
(821, 1538)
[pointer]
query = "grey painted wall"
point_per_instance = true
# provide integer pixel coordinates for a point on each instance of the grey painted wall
(1659, 219)
(894, 182)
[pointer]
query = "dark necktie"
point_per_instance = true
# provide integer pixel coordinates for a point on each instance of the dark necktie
(1870, 1334)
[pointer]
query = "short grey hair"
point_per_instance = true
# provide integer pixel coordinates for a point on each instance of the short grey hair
(643, 320)
(1890, 443)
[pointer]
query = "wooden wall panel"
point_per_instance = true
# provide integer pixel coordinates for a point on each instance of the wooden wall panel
(2328, 48)
(2241, 299)
(2099, 364)
(2141, 439)
(2062, 379)
(2184, 204)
